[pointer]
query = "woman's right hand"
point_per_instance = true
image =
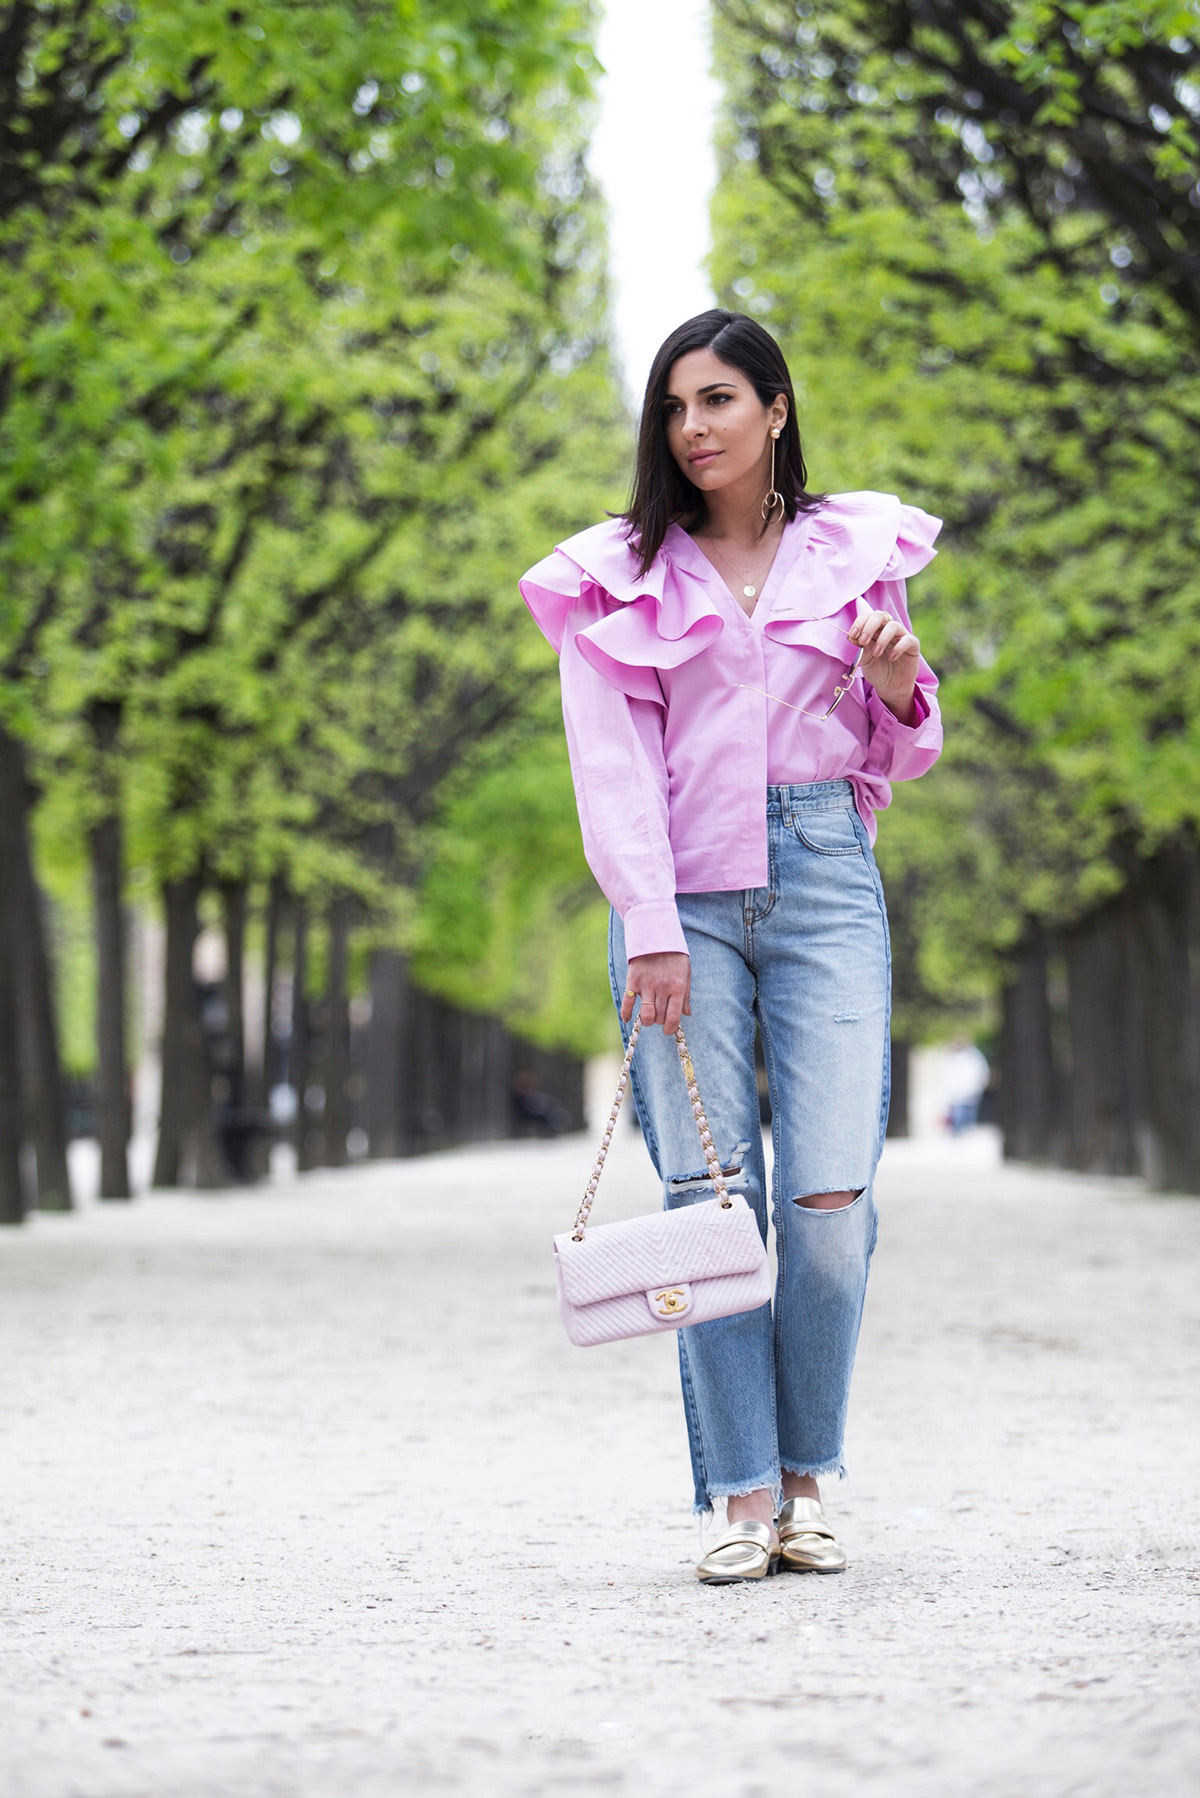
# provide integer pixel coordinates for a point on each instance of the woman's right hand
(663, 983)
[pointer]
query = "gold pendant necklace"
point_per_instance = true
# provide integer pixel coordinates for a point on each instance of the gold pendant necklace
(749, 588)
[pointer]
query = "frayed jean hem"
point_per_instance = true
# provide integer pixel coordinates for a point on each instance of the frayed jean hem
(769, 1481)
(820, 1470)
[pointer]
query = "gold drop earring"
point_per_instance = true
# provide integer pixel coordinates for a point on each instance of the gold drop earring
(773, 498)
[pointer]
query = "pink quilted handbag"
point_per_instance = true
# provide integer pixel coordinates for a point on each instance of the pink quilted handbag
(667, 1270)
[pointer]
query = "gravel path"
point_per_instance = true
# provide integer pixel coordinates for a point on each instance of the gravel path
(306, 1494)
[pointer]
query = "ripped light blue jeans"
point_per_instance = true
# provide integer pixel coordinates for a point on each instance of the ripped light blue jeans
(807, 959)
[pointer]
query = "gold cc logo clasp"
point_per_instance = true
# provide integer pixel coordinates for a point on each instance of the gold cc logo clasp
(670, 1301)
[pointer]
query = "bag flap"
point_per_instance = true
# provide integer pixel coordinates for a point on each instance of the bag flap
(695, 1242)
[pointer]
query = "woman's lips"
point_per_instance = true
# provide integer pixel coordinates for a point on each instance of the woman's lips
(703, 458)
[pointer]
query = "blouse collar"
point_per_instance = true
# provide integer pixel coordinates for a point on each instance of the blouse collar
(686, 553)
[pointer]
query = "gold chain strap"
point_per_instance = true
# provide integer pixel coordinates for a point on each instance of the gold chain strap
(697, 1105)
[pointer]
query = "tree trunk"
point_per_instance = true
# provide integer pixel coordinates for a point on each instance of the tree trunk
(179, 1023)
(263, 1072)
(237, 1124)
(113, 1096)
(41, 1084)
(307, 1139)
(47, 1096)
(1134, 1096)
(1100, 1136)
(12, 1197)
(1187, 1073)
(337, 1035)
(390, 1020)
(185, 1131)
(233, 906)
(112, 1064)
(1168, 960)
(261, 1078)
(1086, 1078)
(1029, 1084)
(898, 1121)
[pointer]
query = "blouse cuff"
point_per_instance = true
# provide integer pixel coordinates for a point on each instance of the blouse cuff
(652, 927)
(884, 719)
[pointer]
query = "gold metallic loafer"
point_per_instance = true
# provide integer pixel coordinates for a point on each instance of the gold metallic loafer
(743, 1551)
(806, 1542)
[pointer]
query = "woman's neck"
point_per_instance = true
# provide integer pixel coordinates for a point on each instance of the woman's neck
(734, 514)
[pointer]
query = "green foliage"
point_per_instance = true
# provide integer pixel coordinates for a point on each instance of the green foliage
(1083, 118)
(73, 949)
(510, 921)
(1051, 48)
(140, 141)
(304, 361)
(1049, 416)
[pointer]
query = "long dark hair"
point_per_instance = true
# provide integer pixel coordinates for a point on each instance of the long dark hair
(662, 492)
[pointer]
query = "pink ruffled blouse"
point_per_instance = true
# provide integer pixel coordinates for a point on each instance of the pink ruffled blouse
(671, 748)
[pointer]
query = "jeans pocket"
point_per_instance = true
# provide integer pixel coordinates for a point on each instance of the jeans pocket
(829, 832)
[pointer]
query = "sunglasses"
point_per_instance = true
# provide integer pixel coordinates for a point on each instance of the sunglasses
(839, 692)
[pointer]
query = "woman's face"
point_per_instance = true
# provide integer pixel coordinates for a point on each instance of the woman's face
(718, 429)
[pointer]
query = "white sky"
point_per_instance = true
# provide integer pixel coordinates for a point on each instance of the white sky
(653, 156)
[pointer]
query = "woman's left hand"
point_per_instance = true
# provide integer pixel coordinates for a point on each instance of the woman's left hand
(891, 659)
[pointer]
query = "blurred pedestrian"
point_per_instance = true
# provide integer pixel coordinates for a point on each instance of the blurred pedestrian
(537, 1112)
(740, 685)
(965, 1077)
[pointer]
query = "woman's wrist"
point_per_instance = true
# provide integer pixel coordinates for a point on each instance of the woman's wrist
(903, 707)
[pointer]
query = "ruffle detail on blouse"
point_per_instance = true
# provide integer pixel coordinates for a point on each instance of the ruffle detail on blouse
(853, 542)
(823, 634)
(663, 618)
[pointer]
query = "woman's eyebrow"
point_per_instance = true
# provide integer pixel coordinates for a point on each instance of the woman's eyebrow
(712, 387)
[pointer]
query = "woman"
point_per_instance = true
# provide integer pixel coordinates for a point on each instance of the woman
(740, 687)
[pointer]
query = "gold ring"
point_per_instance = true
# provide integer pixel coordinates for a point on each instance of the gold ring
(629, 993)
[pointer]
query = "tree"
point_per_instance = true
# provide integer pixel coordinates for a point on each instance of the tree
(982, 325)
(304, 378)
(945, 356)
(1083, 117)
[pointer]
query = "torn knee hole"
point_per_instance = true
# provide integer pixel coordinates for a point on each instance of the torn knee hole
(827, 1201)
